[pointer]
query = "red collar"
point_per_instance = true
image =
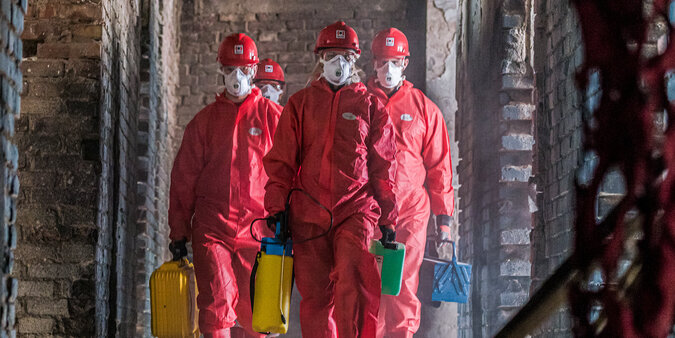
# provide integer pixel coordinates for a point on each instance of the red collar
(252, 98)
(375, 88)
(324, 85)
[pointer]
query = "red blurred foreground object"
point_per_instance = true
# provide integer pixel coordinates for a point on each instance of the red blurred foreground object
(622, 136)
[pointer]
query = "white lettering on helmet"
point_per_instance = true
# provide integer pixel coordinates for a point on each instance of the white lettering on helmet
(255, 131)
(406, 117)
(340, 34)
(239, 49)
(269, 69)
(389, 42)
(349, 116)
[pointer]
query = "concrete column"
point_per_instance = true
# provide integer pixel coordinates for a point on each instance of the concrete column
(441, 52)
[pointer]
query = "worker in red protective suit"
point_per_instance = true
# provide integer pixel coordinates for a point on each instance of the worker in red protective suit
(423, 179)
(217, 187)
(270, 80)
(336, 142)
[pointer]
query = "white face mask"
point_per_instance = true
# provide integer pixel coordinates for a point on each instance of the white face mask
(237, 83)
(336, 70)
(390, 75)
(268, 91)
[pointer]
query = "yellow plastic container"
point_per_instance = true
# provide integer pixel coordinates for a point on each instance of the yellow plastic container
(272, 294)
(173, 299)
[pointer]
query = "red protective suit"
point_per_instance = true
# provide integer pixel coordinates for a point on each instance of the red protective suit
(217, 187)
(339, 147)
(424, 177)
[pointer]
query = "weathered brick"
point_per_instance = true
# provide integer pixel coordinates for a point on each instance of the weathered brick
(295, 24)
(41, 106)
(516, 82)
(36, 289)
(76, 252)
(40, 30)
(53, 50)
(513, 299)
(511, 21)
(47, 307)
(53, 68)
(88, 31)
(515, 268)
(517, 142)
(515, 237)
(516, 173)
(517, 111)
(35, 325)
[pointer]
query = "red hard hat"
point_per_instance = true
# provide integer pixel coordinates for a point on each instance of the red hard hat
(237, 50)
(389, 43)
(269, 70)
(337, 35)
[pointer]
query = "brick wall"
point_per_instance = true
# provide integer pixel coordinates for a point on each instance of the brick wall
(495, 134)
(286, 32)
(11, 25)
(441, 53)
(558, 53)
(120, 64)
(58, 135)
(96, 164)
(156, 119)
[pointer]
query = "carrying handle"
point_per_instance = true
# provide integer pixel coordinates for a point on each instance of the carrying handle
(254, 272)
(454, 249)
(251, 290)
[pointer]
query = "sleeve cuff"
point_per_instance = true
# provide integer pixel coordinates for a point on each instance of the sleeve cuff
(388, 226)
(443, 220)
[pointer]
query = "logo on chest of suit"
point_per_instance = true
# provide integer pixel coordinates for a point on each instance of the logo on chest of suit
(348, 116)
(406, 117)
(255, 131)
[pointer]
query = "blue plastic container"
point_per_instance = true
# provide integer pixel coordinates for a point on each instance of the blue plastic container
(452, 279)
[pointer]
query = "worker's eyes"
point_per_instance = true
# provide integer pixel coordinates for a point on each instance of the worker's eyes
(348, 56)
(248, 70)
(395, 62)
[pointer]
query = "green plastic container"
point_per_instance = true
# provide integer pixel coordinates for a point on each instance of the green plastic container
(390, 265)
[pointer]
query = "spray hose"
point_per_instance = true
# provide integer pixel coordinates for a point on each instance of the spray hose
(284, 235)
(287, 209)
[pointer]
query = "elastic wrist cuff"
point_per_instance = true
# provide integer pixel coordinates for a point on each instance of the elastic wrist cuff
(443, 219)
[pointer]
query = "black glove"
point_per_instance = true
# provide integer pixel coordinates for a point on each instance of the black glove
(274, 219)
(388, 237)
(178, 249)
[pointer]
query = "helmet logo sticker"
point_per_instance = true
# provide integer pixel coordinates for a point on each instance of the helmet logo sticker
(406, 117)
(349, 116)
(340, 34)
(255, 131)
(399, 48)
(239, 49)
(389, 42)
(269, 69)
(251, 56)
